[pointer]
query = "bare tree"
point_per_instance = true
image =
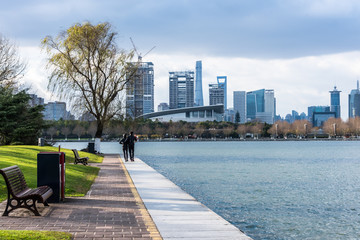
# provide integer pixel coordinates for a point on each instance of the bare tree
(160, 131)
(78, 131)
(284, 128)
(199, 130)
(89, 70)
(145, 130)
(66, 131)
(334, 127)
(52, 131)
(11, 66)
(257, 129)
(92, 129)
(227, 131)
(242, 130)
(300, 127)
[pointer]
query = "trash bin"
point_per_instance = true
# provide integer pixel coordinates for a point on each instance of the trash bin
(41, 142)
(91, 147)
(51, 172)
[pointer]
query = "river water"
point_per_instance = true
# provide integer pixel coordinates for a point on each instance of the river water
(269, 190)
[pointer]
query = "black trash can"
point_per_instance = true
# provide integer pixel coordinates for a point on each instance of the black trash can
(91, 147)
(51, 172)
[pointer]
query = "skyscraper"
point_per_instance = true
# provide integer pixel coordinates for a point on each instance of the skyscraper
(354, 102)
(217, 92)
(317, 109)
(140, 91)
(335, 102)
(260, 104)
(199, 101)
(240, 104)
(181, 89)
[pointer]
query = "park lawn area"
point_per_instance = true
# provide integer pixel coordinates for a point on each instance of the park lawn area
(33, 235)
(78, 177)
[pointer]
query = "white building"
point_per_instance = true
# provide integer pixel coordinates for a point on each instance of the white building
(190, 114)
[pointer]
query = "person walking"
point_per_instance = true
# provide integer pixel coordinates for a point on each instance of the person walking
(131, 141)
(125, 146)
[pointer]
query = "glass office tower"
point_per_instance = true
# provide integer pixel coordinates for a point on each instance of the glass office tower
(199, 101)
(335, 102)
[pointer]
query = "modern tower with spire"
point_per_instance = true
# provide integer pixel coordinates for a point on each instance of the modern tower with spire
(199, 101)
(335, 102)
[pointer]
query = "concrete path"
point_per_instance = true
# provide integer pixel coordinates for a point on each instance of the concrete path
(176, 214)
(111, 210)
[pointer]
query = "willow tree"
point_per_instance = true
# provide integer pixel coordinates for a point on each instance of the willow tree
(89, 70)
(11, 66)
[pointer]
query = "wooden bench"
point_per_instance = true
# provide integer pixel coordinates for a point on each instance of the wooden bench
(78, 159)
(19, 194)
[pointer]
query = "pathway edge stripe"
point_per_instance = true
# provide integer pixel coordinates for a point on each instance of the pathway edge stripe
(151, 226)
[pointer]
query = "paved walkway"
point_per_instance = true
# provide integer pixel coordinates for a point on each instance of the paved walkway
(176, 214)
(111, 210)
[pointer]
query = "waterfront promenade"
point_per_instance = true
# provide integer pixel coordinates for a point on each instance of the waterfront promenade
(113, 209)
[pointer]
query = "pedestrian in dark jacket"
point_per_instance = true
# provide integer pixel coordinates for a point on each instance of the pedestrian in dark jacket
(131, 141)
(125, 146)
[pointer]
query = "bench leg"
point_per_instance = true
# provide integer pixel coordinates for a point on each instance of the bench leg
(29, 204)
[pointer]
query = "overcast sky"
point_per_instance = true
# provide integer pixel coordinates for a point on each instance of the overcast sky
(299, 48)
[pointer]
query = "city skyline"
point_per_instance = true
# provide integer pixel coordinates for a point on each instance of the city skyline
(301, 49)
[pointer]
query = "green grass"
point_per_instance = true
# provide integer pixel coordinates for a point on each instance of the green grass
(78, 177)
(33, 235)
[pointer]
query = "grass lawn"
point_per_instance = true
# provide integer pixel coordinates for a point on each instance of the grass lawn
(78, 177)
(33, 235)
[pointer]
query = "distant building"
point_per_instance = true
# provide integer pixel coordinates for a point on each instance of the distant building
(318, 109)
(319, 118)
(261, 105)
(335, 102)
(199, 100)
(229, 115)
(35, 100)
(140, 91)
(191, 114)
(218, 92)
(181, 89)
(56, 111)
(163, 107)
(354, 102)
(87, 117)
(240, 105)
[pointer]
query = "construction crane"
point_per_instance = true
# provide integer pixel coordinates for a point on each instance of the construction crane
(139, 54)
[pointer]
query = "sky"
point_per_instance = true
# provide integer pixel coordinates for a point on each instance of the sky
(299, 48)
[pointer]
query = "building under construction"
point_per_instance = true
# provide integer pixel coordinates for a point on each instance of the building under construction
(140, 91)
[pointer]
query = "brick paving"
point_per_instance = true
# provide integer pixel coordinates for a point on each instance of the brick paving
(112, 209)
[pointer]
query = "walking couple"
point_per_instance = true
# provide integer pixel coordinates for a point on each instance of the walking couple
(128, 143)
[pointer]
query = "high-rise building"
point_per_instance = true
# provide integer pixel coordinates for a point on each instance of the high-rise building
(354, 102)
(35, 100)
(335, 102)
(261, 105)
(56, 111)
(181, 89)
(317, 109)
(163, 106)
(240, 105)
(140, 91)
(217, 92)
(199, 100)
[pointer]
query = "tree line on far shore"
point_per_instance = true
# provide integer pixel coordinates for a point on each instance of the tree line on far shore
(147, 129)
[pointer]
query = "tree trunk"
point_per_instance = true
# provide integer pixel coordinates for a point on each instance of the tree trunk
(100, 128)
